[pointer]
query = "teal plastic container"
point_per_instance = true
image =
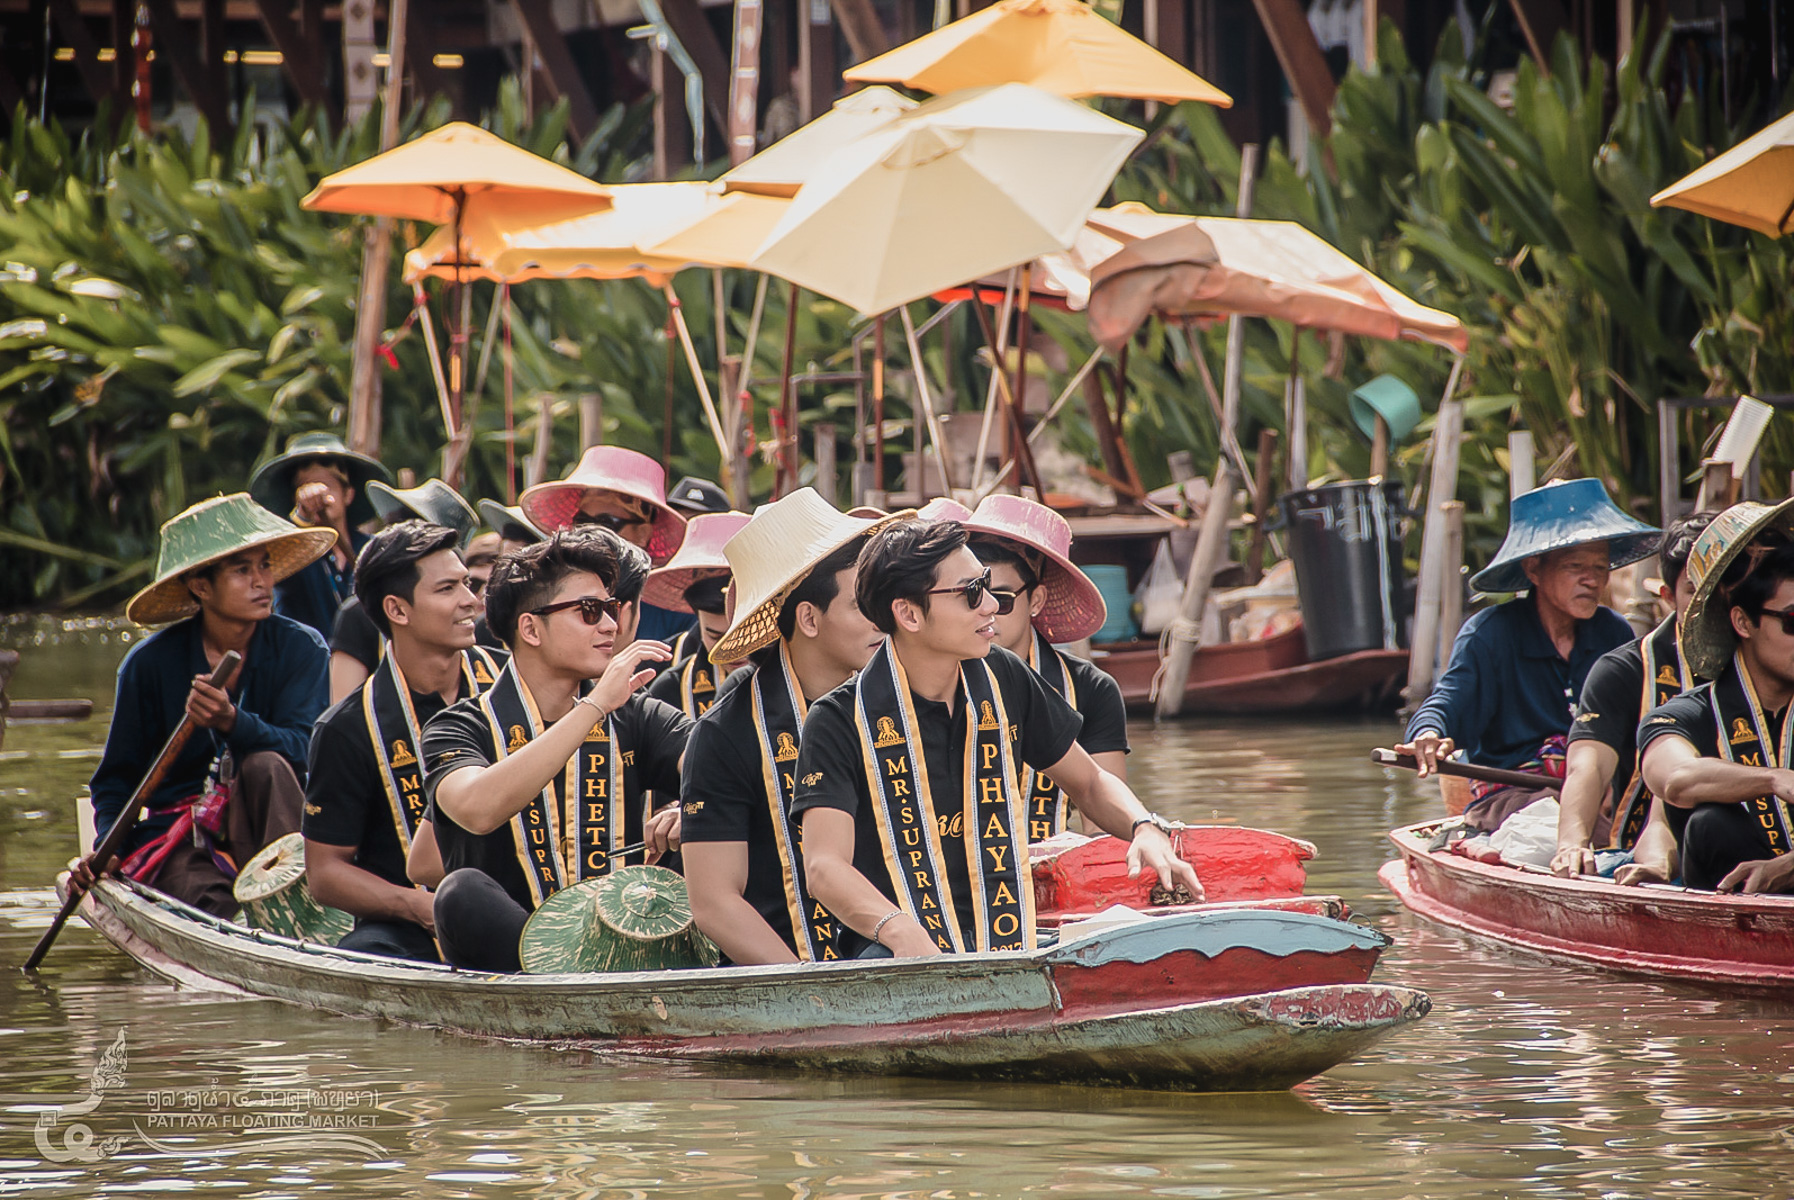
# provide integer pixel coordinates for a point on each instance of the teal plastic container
(1111, 581)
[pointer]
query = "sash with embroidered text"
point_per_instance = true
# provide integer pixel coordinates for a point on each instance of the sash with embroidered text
(994, 820)
(779, 711)
(559, 839)
(1046, 799)
(1666, 676)
(394, 732)
(1743, 739)
(697, 685)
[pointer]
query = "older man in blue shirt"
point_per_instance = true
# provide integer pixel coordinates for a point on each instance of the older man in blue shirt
(1509, 693)
(215, 578)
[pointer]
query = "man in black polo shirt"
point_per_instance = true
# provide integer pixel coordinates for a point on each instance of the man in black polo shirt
(541, 781)
(1604, 800)
(915, 829)
(797, 623)
(364, 804)
(1720, 755)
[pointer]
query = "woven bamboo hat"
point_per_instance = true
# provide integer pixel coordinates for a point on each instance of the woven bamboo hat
(552, 506)
(1558, 516)
(634, 919)
(942, 508)
(432, 500)
(700, 554)
(1707, 635)
(215, 529)
(500, 518)
(775, 552)
(272, 483)
(1074, 608)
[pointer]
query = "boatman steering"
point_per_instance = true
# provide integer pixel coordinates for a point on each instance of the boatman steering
(915, 831)
(1722, 755)
(1509, 692)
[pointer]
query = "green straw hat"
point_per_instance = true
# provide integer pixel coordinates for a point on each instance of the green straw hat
(215, 529)
(1707, 636)
(272, 483)
(499, 518)
(432, 500)
(634, 919)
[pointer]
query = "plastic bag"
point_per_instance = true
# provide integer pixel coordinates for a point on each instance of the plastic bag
(1160, 592)
(1529, 837)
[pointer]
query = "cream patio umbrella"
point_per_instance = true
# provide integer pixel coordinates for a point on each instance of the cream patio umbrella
(1752, 184)
(1060, 46)
(781, 168)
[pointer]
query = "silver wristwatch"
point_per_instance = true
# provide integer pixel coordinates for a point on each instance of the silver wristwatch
(1154, 819)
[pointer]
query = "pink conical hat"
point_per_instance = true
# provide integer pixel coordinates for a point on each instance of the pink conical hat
(1074, 608)
(552, 506)
(700, 554)
(941, 508)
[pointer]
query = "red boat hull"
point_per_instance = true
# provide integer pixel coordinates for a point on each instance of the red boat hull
(1269, 676)
(1739, 942)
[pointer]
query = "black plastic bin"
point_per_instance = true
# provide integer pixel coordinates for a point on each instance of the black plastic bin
(1345, 541)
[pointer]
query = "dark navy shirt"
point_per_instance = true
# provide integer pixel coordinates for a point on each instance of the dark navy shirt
(280, 691)
(1506, 688)
(312, 594)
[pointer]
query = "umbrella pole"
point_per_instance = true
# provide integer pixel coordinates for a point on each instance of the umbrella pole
(1024, 458)
(429, 331)
(666, 415)
(878, 406)
(486, 342)
(786, 434)
(740, 414)
(1024, 322)
(990, 393)
(922, 393)
(691, 359)
(504, 299)
(1077, 380)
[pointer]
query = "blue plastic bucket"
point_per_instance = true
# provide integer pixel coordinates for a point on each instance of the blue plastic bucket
(1111, 581)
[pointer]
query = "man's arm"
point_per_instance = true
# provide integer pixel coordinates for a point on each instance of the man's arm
(716, 878)
(1654, 858)
(1456, 710)
(1589, 768)
(346, 675)
(300, 696)
(423, 863)
(1112, 805)
(829, 870)
(481, 798)
(1676, 771)
(335, 880)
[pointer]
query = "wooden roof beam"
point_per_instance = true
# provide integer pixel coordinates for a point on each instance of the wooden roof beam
(690, 26)
(1299, 53)
(202, 80)
(557, 61)
(73, 27)
(864, 31)
(1541, 21)
(298, 54)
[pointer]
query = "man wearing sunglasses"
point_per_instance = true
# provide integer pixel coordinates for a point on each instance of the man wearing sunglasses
(1722, 755)
(364, 799)
(542, 781)
(1509, 693)
(1604, 803)
(914, 826)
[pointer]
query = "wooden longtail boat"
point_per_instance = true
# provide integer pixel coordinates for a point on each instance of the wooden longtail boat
(1739, 942)
(1269, 676)
(1234, 999)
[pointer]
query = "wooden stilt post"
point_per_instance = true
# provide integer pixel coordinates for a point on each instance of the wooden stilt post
(365, 410)
(1379, 449)
(1211, 551)
(1448, 432)
(1451, 582)
(1522, 463)
(825, 460)
(591, 420)
(1264, 486)
(1718, 487)
(537, 468)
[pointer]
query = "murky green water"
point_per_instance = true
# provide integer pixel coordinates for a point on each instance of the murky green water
(1528, 1080)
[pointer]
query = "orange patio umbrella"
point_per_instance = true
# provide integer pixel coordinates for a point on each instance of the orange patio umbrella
(1752, 184)
(1060, 46)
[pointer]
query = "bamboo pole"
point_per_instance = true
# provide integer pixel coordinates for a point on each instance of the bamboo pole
(536, 470)
(825, 460)
(1448, 433)
(1264, 487)
(1236, 325)
(1211, 550)
(1451, 600)
(365, 410)
(925, 395)
(1522, 463)
(725, 466)
(878, 406)
(1379, 449)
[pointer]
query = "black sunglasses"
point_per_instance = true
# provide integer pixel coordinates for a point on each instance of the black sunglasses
(608, 521)
(591, 609)
(973, 594)
(1786, 615)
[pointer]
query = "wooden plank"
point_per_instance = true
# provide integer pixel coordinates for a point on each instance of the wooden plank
(672, 124)
(1299, 53)
(1211, 552)
(815, 58)
(689, 25)
(303, 67)
(121, 21)
(73, 27)
(1172, 29)
(561, 73)
(203, 85)
(744, 80)
(1540, 22)
(865, 33)
(1448, 435)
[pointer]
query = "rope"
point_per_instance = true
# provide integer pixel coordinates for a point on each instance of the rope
(1181, 629)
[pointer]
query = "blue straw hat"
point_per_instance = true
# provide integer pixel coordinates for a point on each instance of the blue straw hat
(1556, 517)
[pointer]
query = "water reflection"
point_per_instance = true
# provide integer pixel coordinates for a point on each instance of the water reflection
(1528, 1080)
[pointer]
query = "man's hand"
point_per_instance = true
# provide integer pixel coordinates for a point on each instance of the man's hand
(1760, 877)
(1782, 780)
(210, 707)
(906, 939)
(1427, 750)
(83, 875)
(423, 908)
(662, 833)
(627, 673)
(315, 504)
(1573, 860)
(1152, 851)
(1635, 873)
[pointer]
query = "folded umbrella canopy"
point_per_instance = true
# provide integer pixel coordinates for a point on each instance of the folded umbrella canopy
(964, 185)
(781, 168)
(1060, 46)
(1752, 184)
(1222, 266)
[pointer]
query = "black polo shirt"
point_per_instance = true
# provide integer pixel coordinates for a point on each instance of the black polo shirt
(1608, 711)
(1691, 716)
(831, 769)
(1100, 704)
(652, 736)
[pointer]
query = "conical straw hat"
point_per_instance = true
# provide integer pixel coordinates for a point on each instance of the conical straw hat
(432, 500)
(272, 483)
(552, 506)
(1557, 516)
(774, 553)
(634, 919)
(1707, 635)
(701, 553)
(1074, 607)
(215, 529)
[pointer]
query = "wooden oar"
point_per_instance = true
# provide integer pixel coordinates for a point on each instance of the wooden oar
(1532, 779)
(121, 830)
